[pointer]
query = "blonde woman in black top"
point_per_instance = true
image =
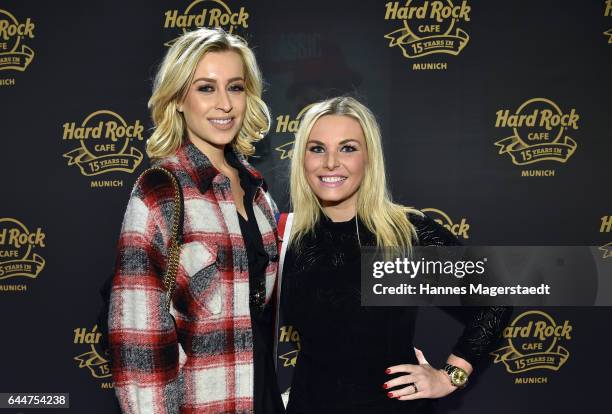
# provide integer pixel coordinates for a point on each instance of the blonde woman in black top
(356, 359)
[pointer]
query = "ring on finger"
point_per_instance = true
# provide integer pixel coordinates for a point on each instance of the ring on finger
(414, 386)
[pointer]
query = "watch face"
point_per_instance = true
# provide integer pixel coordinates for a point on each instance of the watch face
(458, 377)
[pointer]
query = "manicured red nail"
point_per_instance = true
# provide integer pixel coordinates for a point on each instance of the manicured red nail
(387, 371)
(390, 394)
(385, 386)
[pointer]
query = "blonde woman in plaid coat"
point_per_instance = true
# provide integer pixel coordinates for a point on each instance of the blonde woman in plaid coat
(203, 356)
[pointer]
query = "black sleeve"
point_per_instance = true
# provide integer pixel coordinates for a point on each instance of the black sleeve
(483, 324)
(483, 327)
(430, 233)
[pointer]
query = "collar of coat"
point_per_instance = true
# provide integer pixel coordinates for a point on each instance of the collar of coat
(202, 171)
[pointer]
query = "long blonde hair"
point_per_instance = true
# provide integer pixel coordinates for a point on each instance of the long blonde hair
(172, 81)
(385, 219)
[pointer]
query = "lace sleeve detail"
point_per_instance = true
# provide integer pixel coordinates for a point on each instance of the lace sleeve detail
(430, 233)
(483, 325)
(482, 332)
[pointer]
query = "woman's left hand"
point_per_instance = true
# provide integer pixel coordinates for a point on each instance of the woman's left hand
(423, 381)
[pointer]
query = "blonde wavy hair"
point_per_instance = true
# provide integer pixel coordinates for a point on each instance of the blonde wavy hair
(383, 218)
(172, 81)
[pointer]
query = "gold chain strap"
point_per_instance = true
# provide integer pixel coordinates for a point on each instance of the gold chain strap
(175, 248)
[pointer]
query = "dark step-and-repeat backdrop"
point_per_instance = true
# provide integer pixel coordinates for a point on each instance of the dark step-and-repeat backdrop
(495, 118)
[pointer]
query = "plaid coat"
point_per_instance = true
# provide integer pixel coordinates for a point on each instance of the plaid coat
(204, 362)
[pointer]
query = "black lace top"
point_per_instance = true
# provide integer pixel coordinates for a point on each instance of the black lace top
(345, 347)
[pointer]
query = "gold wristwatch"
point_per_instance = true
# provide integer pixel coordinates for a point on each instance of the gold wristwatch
(458, 377)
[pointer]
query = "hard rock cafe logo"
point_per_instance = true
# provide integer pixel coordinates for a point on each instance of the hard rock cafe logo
(290, 338)
(535, 341)
(16, 250)
(459, 229)
(608, 13)
(606, 227)
(288, 127)
(105, 143)
(539, 132)
(94, 360)
(428, 27)
(205, 13)
(14, 54)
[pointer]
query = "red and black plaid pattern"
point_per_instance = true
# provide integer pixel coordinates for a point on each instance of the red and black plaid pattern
(204, 362)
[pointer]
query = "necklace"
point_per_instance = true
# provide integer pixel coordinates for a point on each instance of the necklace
(357, 230)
